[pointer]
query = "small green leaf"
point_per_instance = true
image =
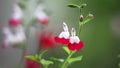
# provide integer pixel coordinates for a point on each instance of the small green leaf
(73, 6)
(118, 56)
(22, 5)
(31, 57)
(66, 50)
(119, 65)
(83, 5)
(57, 59)
(88, 18)
(46, 62)
(42, 53)
(72, 60)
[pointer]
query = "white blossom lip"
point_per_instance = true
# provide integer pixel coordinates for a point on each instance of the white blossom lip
(63, 37)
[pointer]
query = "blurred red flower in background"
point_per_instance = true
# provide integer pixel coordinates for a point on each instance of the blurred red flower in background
(14, 22)
(46, 40)
(32, 63)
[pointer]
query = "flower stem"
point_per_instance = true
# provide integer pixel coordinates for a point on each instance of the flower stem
(65, 64)
(41, 54)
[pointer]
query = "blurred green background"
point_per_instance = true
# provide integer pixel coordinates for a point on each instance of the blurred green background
(102, 46)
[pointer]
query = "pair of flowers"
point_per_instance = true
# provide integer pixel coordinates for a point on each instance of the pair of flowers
(73, 42)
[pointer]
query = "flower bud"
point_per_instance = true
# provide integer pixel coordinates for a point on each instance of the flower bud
(81, 18)
(91, 16)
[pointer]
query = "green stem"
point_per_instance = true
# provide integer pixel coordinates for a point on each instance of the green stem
(41, 54)
(45, 66)
(80, 29)
(80, 10)
(65, 64)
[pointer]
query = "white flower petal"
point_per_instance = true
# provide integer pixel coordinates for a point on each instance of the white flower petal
(17, 12)
(6, 31)
(65, 27)
(64, 35)
(73, 32)
(74, 39)
(41, 15)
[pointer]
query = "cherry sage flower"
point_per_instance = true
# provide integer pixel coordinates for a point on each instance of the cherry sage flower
(75, 43)
(32, 63)
(46, 40)
(12, 39)
(16, 15)
(41, 15)
(63, 37)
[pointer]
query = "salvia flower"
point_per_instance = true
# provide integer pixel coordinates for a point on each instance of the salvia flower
(32, 63)
(41, 15)
(46, 40)
(75, 43)
(16, 15)
(11, 39)
(63, 37)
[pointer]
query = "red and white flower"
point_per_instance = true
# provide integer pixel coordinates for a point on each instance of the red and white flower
(11, 39)
(41, 15)
(16, 15)
(75, 43)
(63, 37)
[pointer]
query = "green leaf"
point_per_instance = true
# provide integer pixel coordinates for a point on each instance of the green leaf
(83, 5)
(72, 60)
(31, 57)
(118, 56)
(119, 65)
(73, 6)
(88, 18)
(57, 59)
(66, 50)
(46, 62)
(42, 53)
(22, 5)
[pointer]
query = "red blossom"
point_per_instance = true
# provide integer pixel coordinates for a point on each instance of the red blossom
(63, 37)
(76, 46)
(44, 21)
(75, 43)
(61, 40)
(32, 63)
(46, 40)
(14, 22)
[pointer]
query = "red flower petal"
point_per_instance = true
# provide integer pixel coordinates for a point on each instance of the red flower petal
(32, 63)
(44, 21)
(76, 46)
(14, 22)
(46, 40)
(61, 40)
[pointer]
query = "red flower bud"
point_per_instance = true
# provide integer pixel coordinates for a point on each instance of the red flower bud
(81, 18)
